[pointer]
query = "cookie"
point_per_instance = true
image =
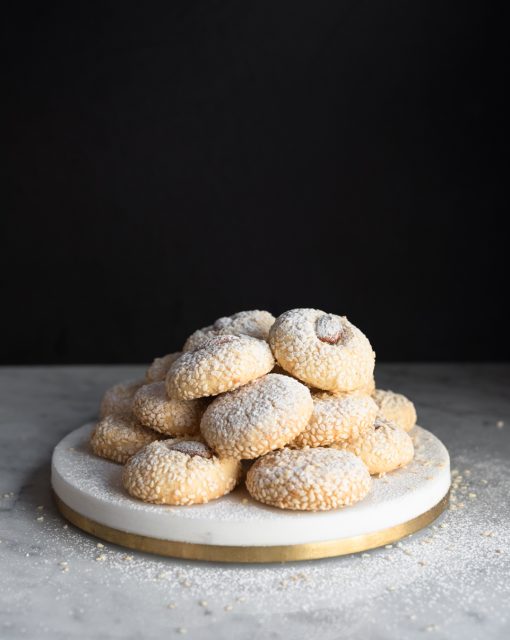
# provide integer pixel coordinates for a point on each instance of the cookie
(117, 400)
(383, 448)
(153, 408)
(221, 364)
(336, 418)
(316, 479)
(118, 437)
(159, 368)
(323, 350)
(259, 417)
(179, 473)
(250, 323)
(396, 408)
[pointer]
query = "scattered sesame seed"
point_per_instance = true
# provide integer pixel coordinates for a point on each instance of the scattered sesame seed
(203, 603)
(228, 607)
(182, 630)
(388, 546)
(487, 534)
(40, 519)
(40, 507)
(171, 605)
(101, 558)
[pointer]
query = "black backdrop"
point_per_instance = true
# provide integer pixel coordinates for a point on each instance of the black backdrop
(171, 163)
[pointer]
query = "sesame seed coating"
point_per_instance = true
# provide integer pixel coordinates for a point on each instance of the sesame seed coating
(118, 399)
(154, 409)
(383, 448)
(259, 417)
(315, 479)
(334, 418)
(249, 323)
(160, 474)
(221, 364)
(396, 408)
(118, 437)
(159, 368)
(324, 350)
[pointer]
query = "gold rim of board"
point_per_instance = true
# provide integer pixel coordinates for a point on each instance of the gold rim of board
(280, 553)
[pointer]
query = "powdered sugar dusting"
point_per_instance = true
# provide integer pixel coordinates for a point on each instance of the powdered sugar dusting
(102, 480)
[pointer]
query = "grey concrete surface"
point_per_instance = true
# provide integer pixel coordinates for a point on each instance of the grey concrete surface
(449, 581)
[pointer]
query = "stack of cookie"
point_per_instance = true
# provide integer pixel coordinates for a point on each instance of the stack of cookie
(288, 404)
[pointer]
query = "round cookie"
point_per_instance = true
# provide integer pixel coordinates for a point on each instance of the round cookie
(221, 364)
(316, 479)
(259, 417)
(118, 437)
(117, 400)
(383, 448)
(153, 408)
(179, 473)
(324, 350)
(249, 323)
(336, 418)
(159, 368)
(396, 408)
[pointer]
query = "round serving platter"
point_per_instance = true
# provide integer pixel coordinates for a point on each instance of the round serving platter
(236, 528)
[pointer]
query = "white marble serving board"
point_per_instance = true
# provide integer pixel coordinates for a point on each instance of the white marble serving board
(92, 486)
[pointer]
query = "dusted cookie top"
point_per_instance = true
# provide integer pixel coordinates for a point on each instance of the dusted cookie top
(159, 367)
(336, 418)
(308, 479)
(324, 350)
(396, 408)
(118, 399)
(221, 364)
(118, 437)
(179, 473)
(263, 415)
(250, 323)
(383, 448)
(154, 409)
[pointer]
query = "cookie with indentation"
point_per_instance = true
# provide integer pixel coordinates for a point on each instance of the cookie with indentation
(249, 323)
(159, 367)
(261, 416)
(118, 437)
(311, 479)
(179, 473)
(383, 448)
(335, 418)
(154, 409)
(221, 364)
(117, 400)
(396, 408)
(323, 350)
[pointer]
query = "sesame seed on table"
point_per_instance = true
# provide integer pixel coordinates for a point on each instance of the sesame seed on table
(449, 580)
